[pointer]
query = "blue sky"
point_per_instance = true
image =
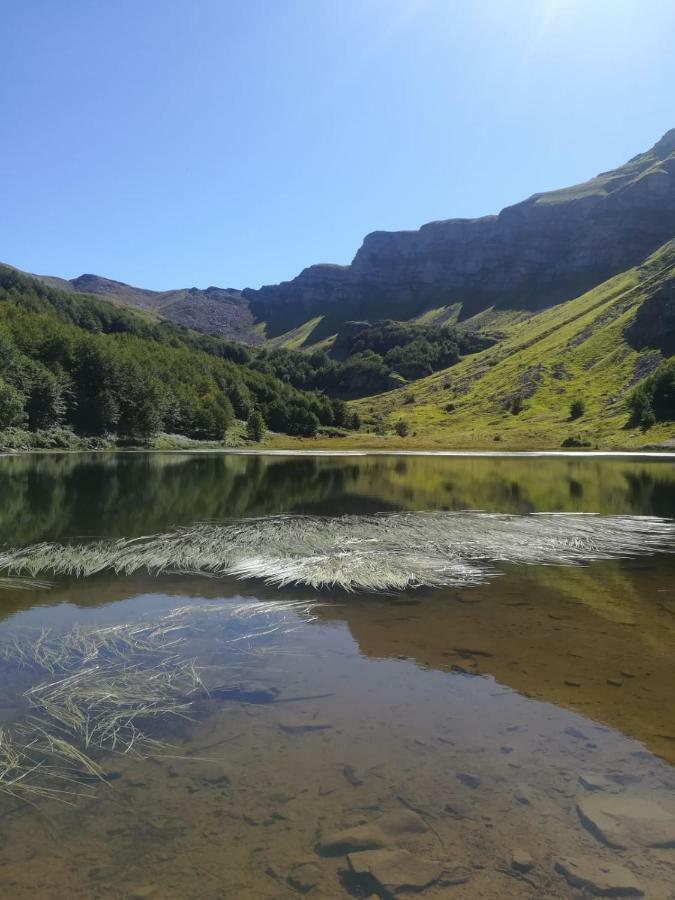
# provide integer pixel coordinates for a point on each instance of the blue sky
(233, 142)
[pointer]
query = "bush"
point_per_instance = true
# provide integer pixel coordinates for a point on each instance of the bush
(516, 405)
(402, 428)
(450, 407)
(575, 441)
(577, 409)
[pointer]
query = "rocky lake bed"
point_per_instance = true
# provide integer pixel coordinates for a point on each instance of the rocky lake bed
(511, 738)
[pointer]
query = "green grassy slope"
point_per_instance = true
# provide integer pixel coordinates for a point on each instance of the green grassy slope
(296, 338)
(573, 351)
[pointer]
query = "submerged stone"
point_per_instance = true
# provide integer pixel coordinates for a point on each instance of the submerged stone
(352, 840)
(300, 725)
(600, 878)
(521, 860)
(395, 871)
(304, 877)
(469, 779)
(353, 775)
(622, 822)
(593, 782)
(372, 836)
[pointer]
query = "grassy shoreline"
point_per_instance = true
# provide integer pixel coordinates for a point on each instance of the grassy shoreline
(658, 441)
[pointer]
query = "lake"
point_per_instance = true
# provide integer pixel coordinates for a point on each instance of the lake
(504, 727)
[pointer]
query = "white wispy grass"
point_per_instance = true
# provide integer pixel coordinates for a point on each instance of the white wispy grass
(106, 684)
(377, 552)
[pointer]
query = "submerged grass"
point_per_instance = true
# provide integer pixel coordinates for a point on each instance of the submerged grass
(377, 552)
(107, 685)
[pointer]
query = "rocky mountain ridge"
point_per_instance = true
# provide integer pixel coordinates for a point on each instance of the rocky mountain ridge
(532, 255)
(544, 250)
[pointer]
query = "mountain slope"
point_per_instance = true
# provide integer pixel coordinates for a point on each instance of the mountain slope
(542, 251)
(594, 348)
(79, 363)
(222, 312)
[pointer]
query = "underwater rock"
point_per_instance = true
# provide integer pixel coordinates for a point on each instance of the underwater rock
(245, 693)
(622, 822)
(304, 876)
(576, 732)
(523, 795)
(352, 840)
(521, 860)
(395, 871)
(594, 782)
(300, 725)
(469, 779)
(600, 878)
(353, 775)
(373, 836)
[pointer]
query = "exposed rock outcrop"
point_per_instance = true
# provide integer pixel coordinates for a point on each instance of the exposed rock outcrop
(539, 252)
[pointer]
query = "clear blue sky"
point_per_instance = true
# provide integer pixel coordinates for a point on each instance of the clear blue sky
(171, 143)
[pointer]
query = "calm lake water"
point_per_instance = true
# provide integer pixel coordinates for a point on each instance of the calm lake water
(510, 739)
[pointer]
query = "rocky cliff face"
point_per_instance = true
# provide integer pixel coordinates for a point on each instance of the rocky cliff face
(542, 251)
(539, 252)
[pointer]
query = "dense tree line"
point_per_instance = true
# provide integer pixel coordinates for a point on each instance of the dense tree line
(371, 358)
(88, 365)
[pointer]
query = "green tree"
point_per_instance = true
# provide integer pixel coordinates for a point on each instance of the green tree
(255, 427)
(12, 407)
(302, 422)
(402, 428)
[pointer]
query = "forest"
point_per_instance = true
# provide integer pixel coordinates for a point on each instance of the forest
(370, 358)
(86, 365)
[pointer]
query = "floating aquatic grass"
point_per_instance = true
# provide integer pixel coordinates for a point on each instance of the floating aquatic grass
(106, 685)
(104, 706)
(379, 552)
(23, 584)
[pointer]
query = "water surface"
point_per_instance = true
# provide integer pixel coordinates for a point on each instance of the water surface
(489, 715)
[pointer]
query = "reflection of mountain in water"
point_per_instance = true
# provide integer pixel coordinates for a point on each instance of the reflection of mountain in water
(603, 645)
(57, 496)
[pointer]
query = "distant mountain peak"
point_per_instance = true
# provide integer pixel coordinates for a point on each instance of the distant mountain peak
(666, 145)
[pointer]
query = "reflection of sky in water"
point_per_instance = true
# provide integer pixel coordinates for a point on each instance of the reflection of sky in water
(488, 710)
(374, 706)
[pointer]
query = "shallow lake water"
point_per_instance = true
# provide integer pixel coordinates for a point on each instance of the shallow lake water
(509, 738)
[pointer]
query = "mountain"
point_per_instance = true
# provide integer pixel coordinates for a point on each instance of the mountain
(222, 312)
(530, 256)
(593, 350)
(535, 254)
